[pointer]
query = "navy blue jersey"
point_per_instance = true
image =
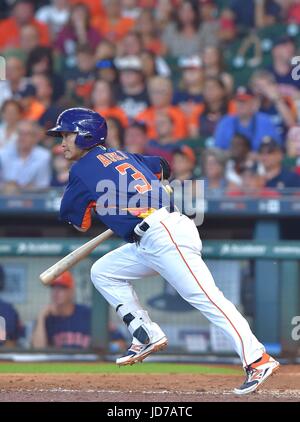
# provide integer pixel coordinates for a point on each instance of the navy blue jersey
(285, 179)
(120, 186)
(73, 332)
(12, 321)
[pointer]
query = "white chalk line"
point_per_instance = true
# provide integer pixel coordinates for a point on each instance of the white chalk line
(275, 393)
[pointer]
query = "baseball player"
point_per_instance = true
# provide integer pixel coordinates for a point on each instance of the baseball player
(159, 240)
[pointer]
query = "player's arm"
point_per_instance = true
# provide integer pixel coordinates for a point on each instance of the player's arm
(77, 205)
(158, 165)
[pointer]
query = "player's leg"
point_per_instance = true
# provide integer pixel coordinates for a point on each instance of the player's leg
(180, 263)
(111, 275)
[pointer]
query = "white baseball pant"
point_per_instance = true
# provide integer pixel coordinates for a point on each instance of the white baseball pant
(172, 248)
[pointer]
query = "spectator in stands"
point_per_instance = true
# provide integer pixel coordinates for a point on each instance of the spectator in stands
(80, 79)
(77, 32)
(283, 51)
(164, 13)
(252, 184)
(115, 136)
(190, 91)
(133, 95)
(106, 70)
(183, 165)
(213, 66)
(11, 114)
(29, 38)
(254, 13)
(209, 28)
(96, 8)
(293, 148)
(293, 11)
(25, 166)
(60, 167)
(276, 176)
(55, 15)
(112, 24)
(135, 138)
(41, 61)
(228, 32)
(247, 121)
(239, 155)
(32, 108)
(183, 37)
(206, 116)
(103, 102)
(291, 159)
(136, 142)
(281, 108)
(132, 45)
(165, 143)
(146, 27)
(161, 94)
(293, 142)
(22, 14)
(213, 169)
(15, 79)
(13, 326)
(130, 9)
(63, 323)
(153, 65)
(44, 94)
(105, 50)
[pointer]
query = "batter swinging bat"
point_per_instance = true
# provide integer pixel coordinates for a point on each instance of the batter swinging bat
(68, 261)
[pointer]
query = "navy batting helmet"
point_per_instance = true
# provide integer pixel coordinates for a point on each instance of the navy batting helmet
(90, 127)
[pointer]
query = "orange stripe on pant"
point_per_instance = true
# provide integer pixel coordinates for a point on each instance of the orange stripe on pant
(182, 257)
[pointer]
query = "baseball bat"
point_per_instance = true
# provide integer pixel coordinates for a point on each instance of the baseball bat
(69, 260)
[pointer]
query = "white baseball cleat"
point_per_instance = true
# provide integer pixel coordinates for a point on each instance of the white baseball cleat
(138, 352)
(257, 373)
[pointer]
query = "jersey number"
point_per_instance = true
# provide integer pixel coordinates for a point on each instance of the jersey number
(136, 175)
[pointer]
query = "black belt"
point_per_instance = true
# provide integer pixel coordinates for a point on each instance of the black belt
(144, 226)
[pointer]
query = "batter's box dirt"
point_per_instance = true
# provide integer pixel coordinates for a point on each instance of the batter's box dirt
(283, 386)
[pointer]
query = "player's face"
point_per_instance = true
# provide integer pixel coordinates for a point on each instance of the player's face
(70, 150)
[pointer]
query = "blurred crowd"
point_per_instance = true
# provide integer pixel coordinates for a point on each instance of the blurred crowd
(61, 324)
(161, 72)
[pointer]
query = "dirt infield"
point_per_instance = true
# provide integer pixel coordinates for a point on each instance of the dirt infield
(283, 386)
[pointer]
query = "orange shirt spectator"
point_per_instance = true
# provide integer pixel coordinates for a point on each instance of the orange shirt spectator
(114, 112)
(33, 109)
(103, 101)
(10, 33)
(22, 14)
(160, 91)
(113, 30)
(112, 25)
(148, 116)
